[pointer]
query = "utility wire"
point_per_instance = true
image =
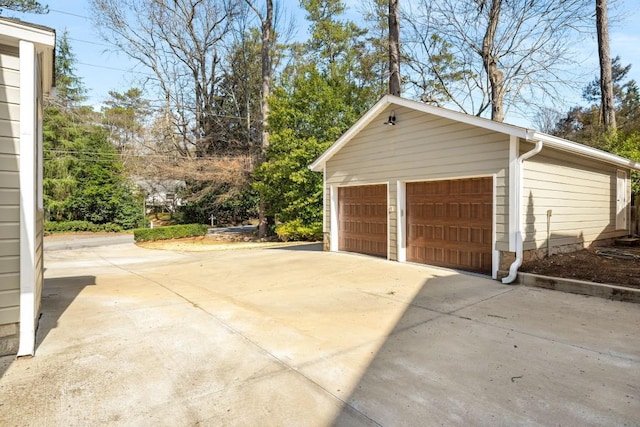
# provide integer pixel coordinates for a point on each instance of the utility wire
(89, 42)
(113, 68)
(117, 156)
(62, 12)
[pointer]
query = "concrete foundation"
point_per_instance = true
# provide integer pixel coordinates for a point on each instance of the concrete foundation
(9, 339)
(602, 290)
(326, 242)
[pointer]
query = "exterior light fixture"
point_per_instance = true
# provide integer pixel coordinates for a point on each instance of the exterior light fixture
(391, 121)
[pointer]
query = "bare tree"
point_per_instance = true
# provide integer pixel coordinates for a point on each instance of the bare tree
(502, 53)
(181, 42)
(547, 119)
(394, 49)
(607, 108)
(490, 60)
(266, 19)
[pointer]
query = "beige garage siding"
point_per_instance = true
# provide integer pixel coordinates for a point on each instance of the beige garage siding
(580, 193)
(420, 147)
(9, 185)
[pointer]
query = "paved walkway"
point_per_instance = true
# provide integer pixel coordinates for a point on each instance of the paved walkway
(284, 337)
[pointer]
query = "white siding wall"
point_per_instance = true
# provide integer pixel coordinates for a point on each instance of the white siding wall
(421, 147)
(9, 185)
(581, 193)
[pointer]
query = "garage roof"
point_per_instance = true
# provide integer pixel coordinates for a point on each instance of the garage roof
(505, 128)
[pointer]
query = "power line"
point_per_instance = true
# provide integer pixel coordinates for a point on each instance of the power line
(62, 12)
(89, 42)
(117, 156)
(113, 68)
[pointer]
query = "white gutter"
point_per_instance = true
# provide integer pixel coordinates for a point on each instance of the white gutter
(519, 172)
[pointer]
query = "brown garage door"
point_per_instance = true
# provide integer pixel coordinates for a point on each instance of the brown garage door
(362, 219)
(449, 223)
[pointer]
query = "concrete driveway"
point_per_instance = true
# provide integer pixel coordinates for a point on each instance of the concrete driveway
(299, 337)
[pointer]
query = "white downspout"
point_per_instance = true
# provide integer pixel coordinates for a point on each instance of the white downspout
(513, 269)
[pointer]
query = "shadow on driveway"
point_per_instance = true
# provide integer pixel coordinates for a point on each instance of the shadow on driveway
(57, 295)
(457, 357)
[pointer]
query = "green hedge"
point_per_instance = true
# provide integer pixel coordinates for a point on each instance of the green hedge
(169, 232)
(75, 226)
(297, 230)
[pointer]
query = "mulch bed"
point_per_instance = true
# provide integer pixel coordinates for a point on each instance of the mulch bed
(588, 265)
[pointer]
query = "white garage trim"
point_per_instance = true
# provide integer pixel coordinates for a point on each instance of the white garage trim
(390, 209)
(513, 183)
(495, 262)
(333, 235)
(401, 222)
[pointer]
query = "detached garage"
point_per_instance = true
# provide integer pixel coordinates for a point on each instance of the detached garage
(415, 183)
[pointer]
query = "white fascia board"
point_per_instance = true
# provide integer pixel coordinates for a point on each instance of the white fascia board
(583, 150)
(460, 117)
(525, 134)
(19, 31)
(387, 100)
(43, 38)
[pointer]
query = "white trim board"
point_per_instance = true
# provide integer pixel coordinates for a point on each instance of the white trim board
(527, 135)
(28, 195)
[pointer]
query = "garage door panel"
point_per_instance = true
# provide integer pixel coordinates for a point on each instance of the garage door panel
(449, 223)
(362, 219)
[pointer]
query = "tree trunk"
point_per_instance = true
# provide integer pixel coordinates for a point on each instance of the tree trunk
(607, 108)
(265, 52)
(490, 63)
(394, 49)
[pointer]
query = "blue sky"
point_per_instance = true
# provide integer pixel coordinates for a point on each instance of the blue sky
(103, 71)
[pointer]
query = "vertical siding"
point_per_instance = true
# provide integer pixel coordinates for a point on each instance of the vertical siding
(421, 147)
(581, 193)
(9, 185)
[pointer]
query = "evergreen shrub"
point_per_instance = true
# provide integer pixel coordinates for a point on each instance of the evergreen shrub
(296, 230)
(170, 232)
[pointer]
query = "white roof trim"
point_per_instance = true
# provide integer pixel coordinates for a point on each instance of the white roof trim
(583, 150)
(520, 132)
(31, 33)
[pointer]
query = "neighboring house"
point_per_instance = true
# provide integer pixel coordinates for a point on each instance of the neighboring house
(161, 193)
(26, 76)
(413, 182)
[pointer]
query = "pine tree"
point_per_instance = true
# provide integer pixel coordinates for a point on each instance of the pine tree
(25, 6)
(318, 97)
(70, 90)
